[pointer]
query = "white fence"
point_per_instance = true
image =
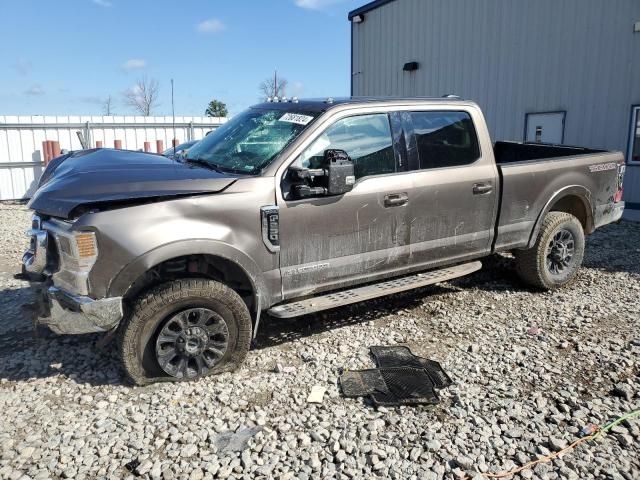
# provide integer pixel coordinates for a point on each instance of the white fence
(21, 137)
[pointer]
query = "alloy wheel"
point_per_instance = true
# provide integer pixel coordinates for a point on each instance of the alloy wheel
(560, 252)
(192, 342)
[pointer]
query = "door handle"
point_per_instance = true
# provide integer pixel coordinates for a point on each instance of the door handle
(396, 199)
(482, 188)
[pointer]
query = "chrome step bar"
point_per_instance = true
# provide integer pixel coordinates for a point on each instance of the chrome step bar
(360, 294)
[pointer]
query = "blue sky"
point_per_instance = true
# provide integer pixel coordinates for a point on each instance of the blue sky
(64, 57)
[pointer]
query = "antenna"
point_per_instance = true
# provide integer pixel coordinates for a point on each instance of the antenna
(173, 113)
(275, 83)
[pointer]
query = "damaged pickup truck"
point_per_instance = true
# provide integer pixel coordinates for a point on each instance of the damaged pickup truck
(293, 207)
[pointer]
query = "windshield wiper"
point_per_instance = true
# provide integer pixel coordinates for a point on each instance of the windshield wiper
(216, 166)
(203, 163)
(236, 170)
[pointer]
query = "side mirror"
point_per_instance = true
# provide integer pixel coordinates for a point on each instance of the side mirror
(340, 172)
(336, 177)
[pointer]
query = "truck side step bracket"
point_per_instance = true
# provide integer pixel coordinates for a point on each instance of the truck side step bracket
(346, 297)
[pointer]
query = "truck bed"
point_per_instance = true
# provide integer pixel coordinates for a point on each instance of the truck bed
(535, 177)
(510, 152)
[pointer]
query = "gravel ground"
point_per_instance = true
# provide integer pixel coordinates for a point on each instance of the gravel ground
(530, 370)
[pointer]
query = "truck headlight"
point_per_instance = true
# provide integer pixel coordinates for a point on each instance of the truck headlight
(79, 249)
(73, 257)
(78, 254)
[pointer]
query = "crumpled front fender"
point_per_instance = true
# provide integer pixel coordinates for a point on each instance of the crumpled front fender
(134, 270)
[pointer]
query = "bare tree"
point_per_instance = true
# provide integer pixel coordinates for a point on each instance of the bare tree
(107, 106)
(274, 86)
(143, 96)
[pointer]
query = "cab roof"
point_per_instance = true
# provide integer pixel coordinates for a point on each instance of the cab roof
(317, 105)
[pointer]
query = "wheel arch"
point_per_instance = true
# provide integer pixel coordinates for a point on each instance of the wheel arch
(226, 258)
(575, 200)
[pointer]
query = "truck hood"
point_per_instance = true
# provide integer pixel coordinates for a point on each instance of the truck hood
(103, 176)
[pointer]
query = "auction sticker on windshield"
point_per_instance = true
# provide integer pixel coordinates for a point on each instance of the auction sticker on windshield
(296, 118)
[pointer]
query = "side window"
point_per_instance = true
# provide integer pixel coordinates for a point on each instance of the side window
(445, 139)
(365, 138)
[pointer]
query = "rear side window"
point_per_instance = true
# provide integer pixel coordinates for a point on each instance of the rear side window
(445, 139)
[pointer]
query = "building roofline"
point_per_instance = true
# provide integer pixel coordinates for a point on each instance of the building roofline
(368, 7)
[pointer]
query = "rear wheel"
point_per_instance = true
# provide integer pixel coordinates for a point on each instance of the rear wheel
(184, 330)
(554, 260)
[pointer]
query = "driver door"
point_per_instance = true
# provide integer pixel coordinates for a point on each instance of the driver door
(329, 242)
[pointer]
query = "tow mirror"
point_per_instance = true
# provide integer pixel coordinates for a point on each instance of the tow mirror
(336, 177)
(340, 172)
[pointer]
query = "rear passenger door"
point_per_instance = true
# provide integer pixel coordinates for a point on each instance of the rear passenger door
(455, 190)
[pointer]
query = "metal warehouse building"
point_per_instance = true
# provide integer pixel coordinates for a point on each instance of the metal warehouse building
(556, 71)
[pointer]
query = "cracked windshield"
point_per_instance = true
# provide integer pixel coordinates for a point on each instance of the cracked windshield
(249, 141)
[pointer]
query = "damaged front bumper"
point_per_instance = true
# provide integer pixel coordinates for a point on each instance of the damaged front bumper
(66, 313)
(49, 265)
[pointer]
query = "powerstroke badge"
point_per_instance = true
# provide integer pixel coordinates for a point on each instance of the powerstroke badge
(601, 167)
(307, 269)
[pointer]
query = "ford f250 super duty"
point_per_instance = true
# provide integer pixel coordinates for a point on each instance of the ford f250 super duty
(293, 207)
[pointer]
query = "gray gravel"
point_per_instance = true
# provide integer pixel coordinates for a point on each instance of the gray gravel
(530, 370)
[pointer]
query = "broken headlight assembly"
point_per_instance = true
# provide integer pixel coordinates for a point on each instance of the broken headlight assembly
(82, 247)
(77, 254)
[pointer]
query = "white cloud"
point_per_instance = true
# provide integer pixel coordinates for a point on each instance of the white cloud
(316, 4)
(34, 90)
(133, 64)
(23, 67)
(133, 90)
(103, 3)
(213, 25)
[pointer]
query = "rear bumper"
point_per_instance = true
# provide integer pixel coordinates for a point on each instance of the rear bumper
(66, 313)
(606, 214)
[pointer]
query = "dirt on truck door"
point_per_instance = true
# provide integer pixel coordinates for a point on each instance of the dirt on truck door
(327, 241)
(455, 189)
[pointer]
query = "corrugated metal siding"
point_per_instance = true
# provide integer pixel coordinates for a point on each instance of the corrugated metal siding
(21, 140)
(512, 57)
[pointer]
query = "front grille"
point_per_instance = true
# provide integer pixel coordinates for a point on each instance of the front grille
(42, 256)
(53, 258)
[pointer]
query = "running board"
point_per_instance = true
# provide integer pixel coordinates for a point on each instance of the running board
(346, 297)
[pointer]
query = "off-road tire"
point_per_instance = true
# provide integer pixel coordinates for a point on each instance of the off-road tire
(138, 332)
(531, 264)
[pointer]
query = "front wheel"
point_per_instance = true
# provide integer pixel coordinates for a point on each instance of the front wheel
(184, 330)
(554, 260)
